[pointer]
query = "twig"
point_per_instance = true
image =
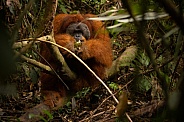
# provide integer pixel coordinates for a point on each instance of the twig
(54, 71)
(34, 62)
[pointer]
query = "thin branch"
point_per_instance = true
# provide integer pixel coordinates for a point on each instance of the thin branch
(53, 70)
(35, 63)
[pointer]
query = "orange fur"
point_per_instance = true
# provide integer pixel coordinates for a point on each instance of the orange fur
(96, 52)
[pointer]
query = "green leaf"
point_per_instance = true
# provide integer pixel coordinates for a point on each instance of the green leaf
(63, 9)
(113, 86)
(143, 84)
(48, 114)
